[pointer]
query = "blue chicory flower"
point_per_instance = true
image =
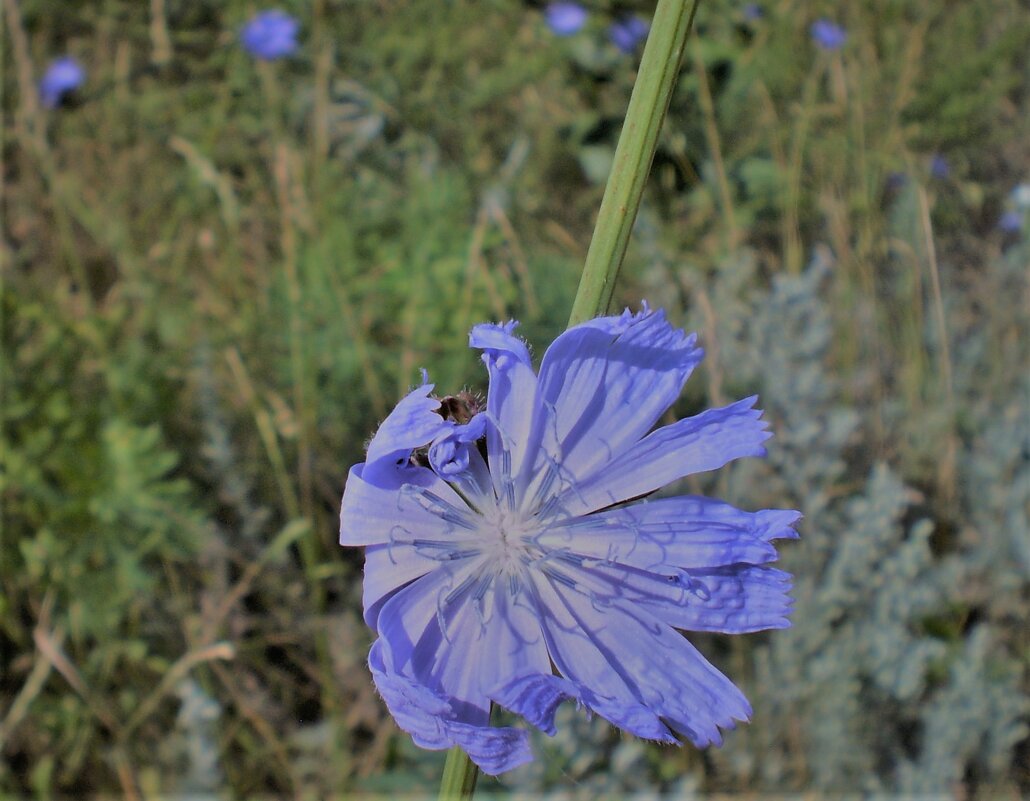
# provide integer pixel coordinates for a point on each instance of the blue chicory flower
(1010, 222)
(939, 167)
(64, 75)
(270, 35)
(627, 33)
(753, 12)
(565, 19)
(828, 35)
(512, 538)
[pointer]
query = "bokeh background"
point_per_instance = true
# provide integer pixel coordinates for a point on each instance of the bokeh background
(220, 271)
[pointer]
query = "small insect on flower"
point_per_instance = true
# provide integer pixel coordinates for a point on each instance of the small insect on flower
(270, 35)
(512, 556)
(64, 75)
(828, 35)
(565, 19)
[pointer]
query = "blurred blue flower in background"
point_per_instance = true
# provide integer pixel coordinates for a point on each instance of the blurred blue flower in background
(510, 560)
(752, 12)
(1021, 196)
(828, 35)
(1010, 222)
(896, 180)
(939, 167)
(627, 33)
(565, 19)
(63, 75)
(270, 35)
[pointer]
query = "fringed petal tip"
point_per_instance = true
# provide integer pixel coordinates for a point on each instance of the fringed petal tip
(651, 325)
(777, 524)
(536, 697)
(751, 425)
(433, 723)
(498, 340)
(616, 324)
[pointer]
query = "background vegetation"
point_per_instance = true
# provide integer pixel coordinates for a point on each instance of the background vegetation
(219, 274)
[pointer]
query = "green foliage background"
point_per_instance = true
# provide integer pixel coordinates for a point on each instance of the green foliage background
(219, 275)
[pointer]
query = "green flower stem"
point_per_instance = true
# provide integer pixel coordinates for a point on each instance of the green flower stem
(459, 776)
(659, 67)
(648, 104)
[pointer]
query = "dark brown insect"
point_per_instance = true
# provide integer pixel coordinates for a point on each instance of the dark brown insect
(461, 407)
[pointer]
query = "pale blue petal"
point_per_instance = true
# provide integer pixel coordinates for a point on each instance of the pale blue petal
(511, 404)
(494, 750)
(488, 638)
(609, 380)
(454, 642)
(640, 670)
(684, 532)
(601, 682)
(455, 457)
(536, 697)
(432, 722)
(411, 529)
(477, 483)
(416, 709)
(462, 635)
(498, 341)
(387, 569)
(404, 506)
(453, 654)
(514, 644)
(449, 454)
(413, 616)
(734, 599)
(543, 480)
(706, 441)
(777, 524)
(412, 424)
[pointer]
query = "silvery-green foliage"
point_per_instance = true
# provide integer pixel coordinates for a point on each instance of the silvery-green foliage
(311, 755)
(235, 487)
(854, 696)
(996, 457)
(191, 747)
(776, 341)
(588, 759)
(979, 715)
(999, 478)
(855, 654)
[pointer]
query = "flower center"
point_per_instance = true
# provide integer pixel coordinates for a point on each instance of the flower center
(505, 541)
